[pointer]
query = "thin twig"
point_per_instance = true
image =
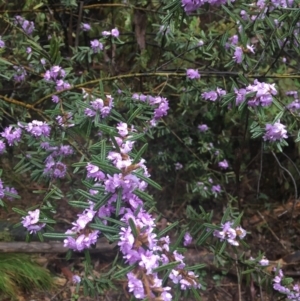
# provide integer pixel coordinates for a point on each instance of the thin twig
(260, 169)
(268, 227)
(294, 182)
(239, 280)
(78, 24)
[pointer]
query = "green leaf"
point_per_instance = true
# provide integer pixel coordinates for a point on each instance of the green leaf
(104, 228)
(5, 62)
(79, 204)
(57, 235)
(119, 201)
(167, 229)
(88, 195)
(143, 195)
(134, 114)
(105, 167)
(168, 266)
(123, 272)
(133, 227)
(147, 180)
(19, 211)
(140, 153)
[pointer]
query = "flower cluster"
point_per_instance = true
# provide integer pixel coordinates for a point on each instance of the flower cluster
(20, 74)
(114, 33)
(53, 165)
(213, 95)
(239, 53)
(27, 26)
(192, 74)
(2, 43)
(295, 105)
(275, 132)
(85, 27)
(202, 127)
(12, 135)
(263, 94)
(31, 221)
(56, 74)
(80, 236)
(208, 188)
(191, 5)
(230, 234)
(138, 242)
(38, 128)
(96, 46)
(260, 8)
(291, 291)
(223, 164)
(178, 166)
(187, 239)
(5, 189)
(98, 105)
(161, 105)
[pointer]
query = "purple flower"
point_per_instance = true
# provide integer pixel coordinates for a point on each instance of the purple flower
(66, 150)
(250, 48)
(106, 33)
(213, 95)
(83, 219)
(11, 135)
(59, 170)
(223, 164)
(55, 99)
(94, 172)
(54, 74)
(187, 239)
(28, 50)
(85, 27)
(200, 43)
(122, 129)
(238, 55)
(76, 279)
(227, 233)
(192, 74)
(27, 26)
(292, 93)
(178, 166)
(240, 96)
(89, 112)
(31, 221)
(10, 190)
(216, 189)
(38, 128)
(81, 242)
(135, 286)
(294, 106)
(202, 127)
(162, 109)
(2, 43)
(275, 132)
(264, 262)
(2, 147)
(97, 104)
(115, 32)
(20, 74)
(96, 46)
(232, 41)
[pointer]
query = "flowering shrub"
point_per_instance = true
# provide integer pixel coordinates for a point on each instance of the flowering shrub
(81, 104)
